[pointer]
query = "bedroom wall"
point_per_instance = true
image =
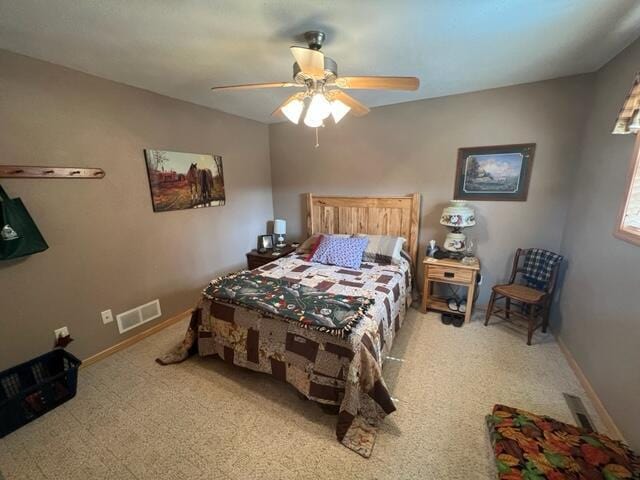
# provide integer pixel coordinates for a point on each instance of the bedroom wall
(412, 147)
(599, 309)
(108, 249)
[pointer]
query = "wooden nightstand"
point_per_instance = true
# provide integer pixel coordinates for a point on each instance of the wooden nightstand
(256, 259)
(449, 271)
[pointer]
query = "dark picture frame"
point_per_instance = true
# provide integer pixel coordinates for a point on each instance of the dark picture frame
(494, 173)
(182, 180)
(265, 242)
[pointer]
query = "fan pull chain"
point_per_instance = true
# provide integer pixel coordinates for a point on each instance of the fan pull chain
(317, 142)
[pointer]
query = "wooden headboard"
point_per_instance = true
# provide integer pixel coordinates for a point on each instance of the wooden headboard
(397, 216)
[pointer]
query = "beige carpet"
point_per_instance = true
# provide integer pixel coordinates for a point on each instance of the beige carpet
(202, 419)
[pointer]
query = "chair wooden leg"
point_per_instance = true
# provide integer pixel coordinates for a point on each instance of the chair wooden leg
(532, 323)
(507, 308)
(545, 318)
(490, 308)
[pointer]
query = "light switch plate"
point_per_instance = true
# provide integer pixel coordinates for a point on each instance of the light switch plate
(107, 316)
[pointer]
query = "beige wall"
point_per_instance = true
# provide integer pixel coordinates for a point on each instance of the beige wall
(108, 249)
(412, 147)
(600, 313)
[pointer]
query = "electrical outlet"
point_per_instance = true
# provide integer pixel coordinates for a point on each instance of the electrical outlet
(107, 316)
(61, 332)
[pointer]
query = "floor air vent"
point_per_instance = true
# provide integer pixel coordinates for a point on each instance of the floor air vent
(579, 412)
(137, 316)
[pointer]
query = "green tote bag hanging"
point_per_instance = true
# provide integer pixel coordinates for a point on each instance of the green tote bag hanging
(19, 235)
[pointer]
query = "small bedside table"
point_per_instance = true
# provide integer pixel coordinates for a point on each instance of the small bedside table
(449, 271)
(256, 259)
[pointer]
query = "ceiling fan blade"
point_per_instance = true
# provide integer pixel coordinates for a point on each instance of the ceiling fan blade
(310, 61)
(357, 108)
(251, 86)
(295, 96)
(381, 83)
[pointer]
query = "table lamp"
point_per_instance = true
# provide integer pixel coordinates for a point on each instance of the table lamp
(457, 215)
(280, 229)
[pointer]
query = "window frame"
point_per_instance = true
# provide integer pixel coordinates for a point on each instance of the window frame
(629, 234)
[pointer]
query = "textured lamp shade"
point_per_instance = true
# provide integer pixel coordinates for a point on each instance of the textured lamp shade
(279, 227)
(457, 214)
(293, 110)
(339, 110)
(318, 110)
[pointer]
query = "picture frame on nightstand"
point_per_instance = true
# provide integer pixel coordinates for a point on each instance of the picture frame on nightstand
(265, 242)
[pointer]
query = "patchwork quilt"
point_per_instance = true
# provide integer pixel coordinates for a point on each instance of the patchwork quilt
(334, 360)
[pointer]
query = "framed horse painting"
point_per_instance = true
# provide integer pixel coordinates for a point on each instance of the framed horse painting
(184, 180)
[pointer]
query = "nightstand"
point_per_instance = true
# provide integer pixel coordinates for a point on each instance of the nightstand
(453, 272)
(256, 259)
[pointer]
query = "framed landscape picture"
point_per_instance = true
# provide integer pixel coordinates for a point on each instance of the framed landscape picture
(184, 180)
(494, 173)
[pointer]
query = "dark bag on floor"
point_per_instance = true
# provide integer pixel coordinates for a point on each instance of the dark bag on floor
(19, 235)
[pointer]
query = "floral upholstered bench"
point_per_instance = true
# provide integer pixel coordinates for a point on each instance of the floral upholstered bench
(535, 447)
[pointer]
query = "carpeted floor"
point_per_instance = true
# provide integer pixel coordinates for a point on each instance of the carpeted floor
(202, 419)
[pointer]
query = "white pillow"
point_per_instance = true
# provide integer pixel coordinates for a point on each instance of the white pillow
(383, 249)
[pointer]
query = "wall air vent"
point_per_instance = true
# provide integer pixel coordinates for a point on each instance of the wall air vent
(139, 315)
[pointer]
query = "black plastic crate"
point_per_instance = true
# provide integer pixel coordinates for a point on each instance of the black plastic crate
(33, 388)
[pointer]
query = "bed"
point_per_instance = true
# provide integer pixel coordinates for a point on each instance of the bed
(324, 363)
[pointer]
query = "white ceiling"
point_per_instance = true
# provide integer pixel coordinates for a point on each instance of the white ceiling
(181, 48)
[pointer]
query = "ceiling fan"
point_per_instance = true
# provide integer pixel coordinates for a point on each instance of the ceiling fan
(322, 95)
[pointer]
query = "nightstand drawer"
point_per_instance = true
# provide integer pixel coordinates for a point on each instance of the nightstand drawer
(255, 263)
(461, 275)
(256, 259)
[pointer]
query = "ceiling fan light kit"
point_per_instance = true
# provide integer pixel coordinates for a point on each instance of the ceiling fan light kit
(339, 110)
(293, 110)
(318, 75)
(319, 109)
(323, 96)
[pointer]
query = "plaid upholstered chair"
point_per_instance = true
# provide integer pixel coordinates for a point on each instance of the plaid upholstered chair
(533, 294)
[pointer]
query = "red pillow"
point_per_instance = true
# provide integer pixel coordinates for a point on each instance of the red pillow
(314, 248)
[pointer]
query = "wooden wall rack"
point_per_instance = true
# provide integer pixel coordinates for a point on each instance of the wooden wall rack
(28, 171)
